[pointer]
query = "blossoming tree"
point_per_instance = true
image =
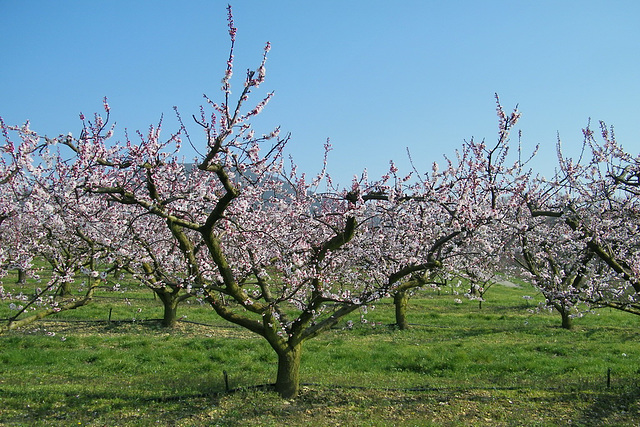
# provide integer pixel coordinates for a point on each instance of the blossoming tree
(268, 249)
(39, 219)
(578, 236)
(449, 222)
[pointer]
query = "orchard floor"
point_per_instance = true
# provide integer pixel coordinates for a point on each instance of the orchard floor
(502, 365)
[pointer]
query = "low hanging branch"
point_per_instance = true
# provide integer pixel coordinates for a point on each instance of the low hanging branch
(71, 305)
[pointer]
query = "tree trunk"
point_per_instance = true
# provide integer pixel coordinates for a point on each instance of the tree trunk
(400, 300)
(64, 290)
(22, 277)
(566, 319)
(565, 314)
(288, 381)
(170, 304)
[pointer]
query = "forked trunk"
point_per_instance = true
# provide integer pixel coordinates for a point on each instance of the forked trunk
(400, 300)
(288, 380)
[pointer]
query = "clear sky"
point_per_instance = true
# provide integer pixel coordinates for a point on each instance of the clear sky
(376, 77)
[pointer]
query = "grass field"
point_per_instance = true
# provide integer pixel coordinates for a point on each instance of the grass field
(457, 365)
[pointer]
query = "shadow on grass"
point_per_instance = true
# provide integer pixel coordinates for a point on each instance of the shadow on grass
(253, 405)
(609, 404)
(104, 407)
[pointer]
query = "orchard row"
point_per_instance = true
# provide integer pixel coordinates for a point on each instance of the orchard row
(286, 255)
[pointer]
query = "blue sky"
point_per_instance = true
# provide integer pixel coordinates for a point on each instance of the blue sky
(376, 77)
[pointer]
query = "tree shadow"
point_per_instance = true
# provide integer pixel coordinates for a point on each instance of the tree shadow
(615, 405)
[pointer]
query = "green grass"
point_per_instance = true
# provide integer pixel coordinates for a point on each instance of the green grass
(457, 365)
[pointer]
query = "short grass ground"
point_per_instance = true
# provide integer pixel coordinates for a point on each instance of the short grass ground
(457, 365)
